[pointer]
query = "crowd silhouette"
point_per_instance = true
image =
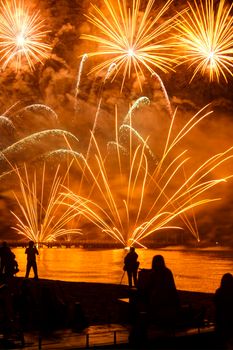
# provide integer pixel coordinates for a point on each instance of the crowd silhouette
(154, 298)
(156, 301)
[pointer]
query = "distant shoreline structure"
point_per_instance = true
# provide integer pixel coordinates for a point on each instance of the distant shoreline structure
(112, 245)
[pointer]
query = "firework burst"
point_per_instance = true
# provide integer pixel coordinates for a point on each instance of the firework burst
(131, 38)
(205, 37)
(42, 217)
(22, 36)
(142, 196)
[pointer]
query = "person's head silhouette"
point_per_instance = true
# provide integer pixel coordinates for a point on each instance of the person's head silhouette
(158, 262)
(31, 244)
(227, 281)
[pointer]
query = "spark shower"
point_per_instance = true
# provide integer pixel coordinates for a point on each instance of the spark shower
(126, 189)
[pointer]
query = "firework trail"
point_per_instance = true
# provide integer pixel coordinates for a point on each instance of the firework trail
(11, 108)
(124, 128)
(141, 101)
(38, 107)
(168, 103)
(107, 75)
(34, 145)
(59, 154)
(6, 122)
(84, 58)
(110, 71)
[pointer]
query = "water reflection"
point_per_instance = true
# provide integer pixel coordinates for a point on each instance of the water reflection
(195, 270)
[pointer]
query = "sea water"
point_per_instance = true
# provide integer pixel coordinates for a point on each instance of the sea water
(194, 269)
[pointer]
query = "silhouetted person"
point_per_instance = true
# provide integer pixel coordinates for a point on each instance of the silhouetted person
(161, 292)
(131, 266)
(8, 264)
(31, 252)
(224, 309)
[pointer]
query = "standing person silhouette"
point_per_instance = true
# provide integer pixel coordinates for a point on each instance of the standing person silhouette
(31, 252)
(8, 264)
(131, 267)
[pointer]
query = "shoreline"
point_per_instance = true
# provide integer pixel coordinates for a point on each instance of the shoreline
(192, 270)
(71, 312)
(110, 245)
(99, 302)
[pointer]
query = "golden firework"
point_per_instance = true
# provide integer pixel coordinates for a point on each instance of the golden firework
(132, 39)
(22, 36)
(205, 38)
(129, 195)
(42, 218)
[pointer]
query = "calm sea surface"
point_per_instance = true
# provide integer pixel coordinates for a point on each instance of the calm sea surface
(194, 270)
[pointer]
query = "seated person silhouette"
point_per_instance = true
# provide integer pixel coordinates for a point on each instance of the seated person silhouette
(223, 299)
(161, 294)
